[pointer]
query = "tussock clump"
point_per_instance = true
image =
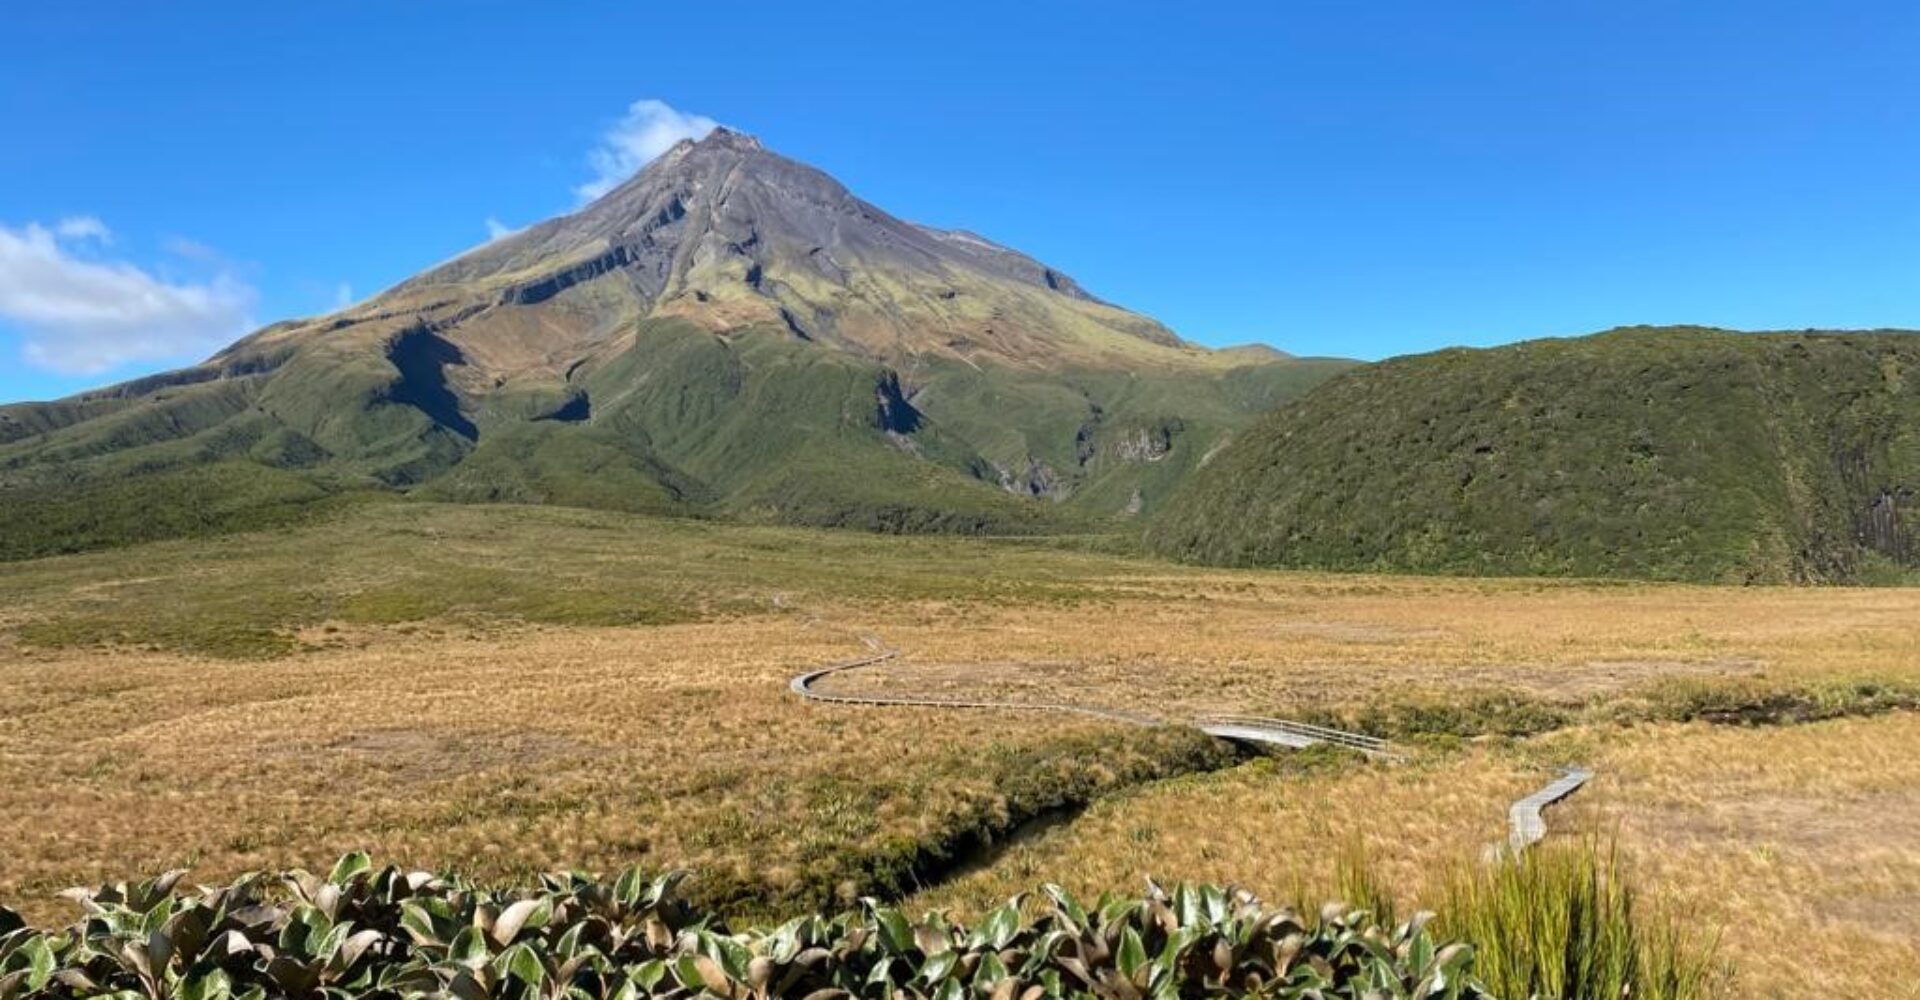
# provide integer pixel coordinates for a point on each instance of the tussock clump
(1561, 921)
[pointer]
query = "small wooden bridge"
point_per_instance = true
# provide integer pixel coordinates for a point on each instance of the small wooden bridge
(1288, 733)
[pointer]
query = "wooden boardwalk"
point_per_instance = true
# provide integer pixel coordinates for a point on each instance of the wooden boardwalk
(1239, 728)
(1526, 824)
(1288, 733)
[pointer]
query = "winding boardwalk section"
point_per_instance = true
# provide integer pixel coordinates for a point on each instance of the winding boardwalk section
(1526, 826)
(803, 686)
(1239, 728)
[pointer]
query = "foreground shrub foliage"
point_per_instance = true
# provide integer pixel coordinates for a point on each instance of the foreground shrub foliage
(366, 932)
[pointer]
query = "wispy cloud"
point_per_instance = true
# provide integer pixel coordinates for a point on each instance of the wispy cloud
(649, 128)
(497, 230)
(342, 295)
(83, 227)
(83, 315)
(180, 246)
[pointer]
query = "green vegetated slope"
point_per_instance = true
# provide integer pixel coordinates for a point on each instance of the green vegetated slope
(729, 334)
(780, 429)
(1107, 441)
(181, 460)
(1677, 453)
(752, 424)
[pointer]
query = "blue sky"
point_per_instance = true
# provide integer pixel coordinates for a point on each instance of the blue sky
(1362, 179)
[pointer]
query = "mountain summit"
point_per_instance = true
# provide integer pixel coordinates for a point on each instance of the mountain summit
(731, 235)
(728, 332)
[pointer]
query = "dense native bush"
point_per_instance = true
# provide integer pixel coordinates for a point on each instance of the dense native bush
(366, 932)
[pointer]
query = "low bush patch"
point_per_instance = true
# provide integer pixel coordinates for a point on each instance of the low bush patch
(366, 932)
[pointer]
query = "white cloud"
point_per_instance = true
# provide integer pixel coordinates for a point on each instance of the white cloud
(648, 129)
(180, 246)
(342, 295)
(83, 227)
(85, 316)
(497, 230)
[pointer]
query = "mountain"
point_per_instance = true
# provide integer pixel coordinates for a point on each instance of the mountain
(1677, 453)
(729, 333)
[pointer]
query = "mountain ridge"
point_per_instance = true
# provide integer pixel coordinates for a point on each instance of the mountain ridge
(1681, 453)
(727, 333)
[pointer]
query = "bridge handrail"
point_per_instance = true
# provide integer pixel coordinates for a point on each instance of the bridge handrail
(1304, 728)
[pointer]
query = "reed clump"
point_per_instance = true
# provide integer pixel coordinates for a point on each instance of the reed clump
(1562, 921)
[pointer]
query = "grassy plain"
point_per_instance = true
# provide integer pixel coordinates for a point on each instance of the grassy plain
(510, 689)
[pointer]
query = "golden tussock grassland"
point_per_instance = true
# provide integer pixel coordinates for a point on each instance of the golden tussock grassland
(507, 690)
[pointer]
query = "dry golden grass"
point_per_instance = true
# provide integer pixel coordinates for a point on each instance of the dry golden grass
(593, 748)
(465, 732)
(1798, 848)
(1222, 641)
(1270, 826)
(1802, 843)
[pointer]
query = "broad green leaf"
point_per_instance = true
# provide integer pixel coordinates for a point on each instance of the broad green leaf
(40, 961)
(1132, 956)
(213, 985)
(419, 923)
(1218, 906)
(733, 956)
(938, 967)
(1419, 953)
(569, 944)
(685, 972)
(1002, 925)
(469, 948)
(647, 974)
(1064, 903)
(784, 943)
(1187, 906)
(1177, 944)
(989, 972)
(629, 888)
(522, 963)
(348, 866)
(662, 888)
(331, 941)
(894, 929)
